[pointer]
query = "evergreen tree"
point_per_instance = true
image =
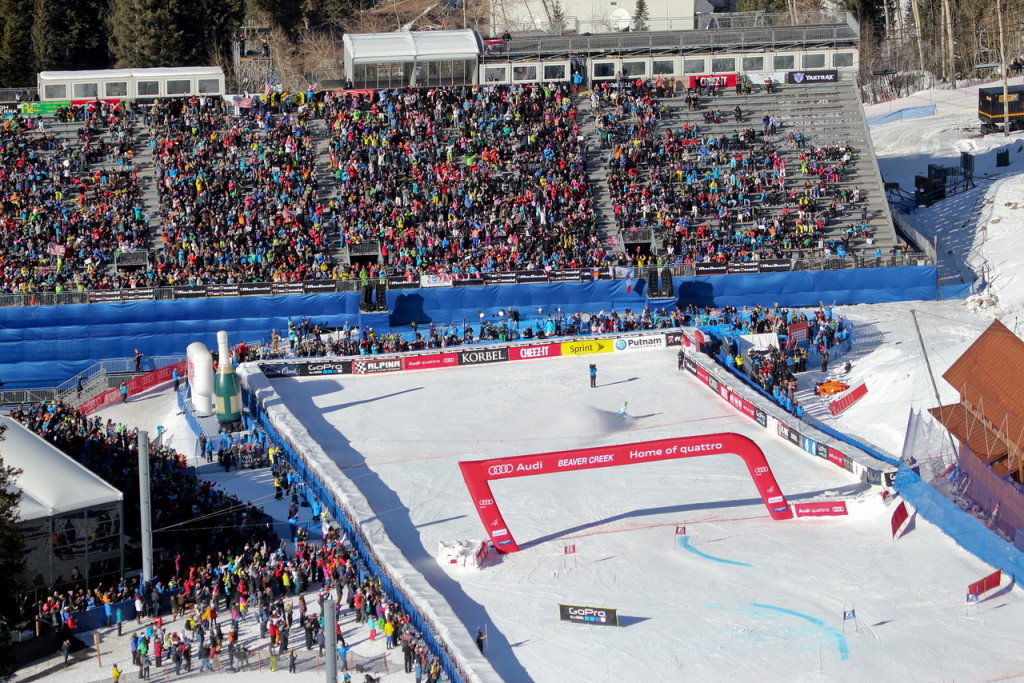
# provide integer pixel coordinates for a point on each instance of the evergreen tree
(69, 34)
(12, 552)
(641, 17)
(17, 65)
(557, 17)
(155, 33)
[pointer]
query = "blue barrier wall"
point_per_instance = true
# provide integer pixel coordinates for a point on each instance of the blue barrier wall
(901, 114)
(45, 345)
(969, 533)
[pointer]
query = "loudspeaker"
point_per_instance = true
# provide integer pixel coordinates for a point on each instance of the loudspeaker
(666, 282)
(382, 296)
(367, 304)
(653, 289)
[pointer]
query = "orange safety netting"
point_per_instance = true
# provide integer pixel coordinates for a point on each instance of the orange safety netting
(830, 388)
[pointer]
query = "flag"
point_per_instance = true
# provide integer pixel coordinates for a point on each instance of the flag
(680, 529)
(570, 549)
(849, 614)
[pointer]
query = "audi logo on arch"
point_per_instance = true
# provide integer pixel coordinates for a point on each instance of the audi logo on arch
(484, 502)
(499, 469)
(758, 471)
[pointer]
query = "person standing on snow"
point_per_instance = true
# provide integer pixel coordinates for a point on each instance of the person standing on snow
(593, 375)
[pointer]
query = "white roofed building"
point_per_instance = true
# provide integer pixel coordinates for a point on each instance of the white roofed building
(411, 58)
(70, 517)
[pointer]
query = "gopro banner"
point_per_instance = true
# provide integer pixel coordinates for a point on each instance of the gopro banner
(579, 614)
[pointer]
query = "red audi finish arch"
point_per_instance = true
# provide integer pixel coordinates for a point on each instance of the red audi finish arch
(479, 473)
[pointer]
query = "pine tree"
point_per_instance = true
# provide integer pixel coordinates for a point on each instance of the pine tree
(69, 34)
(557, 17)
(641, 17)
(156, 33)
(12, 551)
(17, 65)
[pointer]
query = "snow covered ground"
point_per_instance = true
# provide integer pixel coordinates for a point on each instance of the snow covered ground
(750, 599)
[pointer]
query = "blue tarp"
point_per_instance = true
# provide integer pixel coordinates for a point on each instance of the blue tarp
(968, 532)
(44, 345)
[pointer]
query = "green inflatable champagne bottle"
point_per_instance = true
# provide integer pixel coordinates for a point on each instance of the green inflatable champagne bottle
(227, 393)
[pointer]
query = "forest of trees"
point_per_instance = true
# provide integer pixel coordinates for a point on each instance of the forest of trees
(943, 39)
(39, 35)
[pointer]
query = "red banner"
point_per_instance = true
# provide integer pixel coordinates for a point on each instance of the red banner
(717, 80)
(828, 508)
(836, 458)
(839, 405)
(434, 360)
(135, 385)
(899, 515)
(798, 331)
(534, 352)
(479, 473)
(988, 583)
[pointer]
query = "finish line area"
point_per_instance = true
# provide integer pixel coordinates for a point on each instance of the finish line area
(398, 438)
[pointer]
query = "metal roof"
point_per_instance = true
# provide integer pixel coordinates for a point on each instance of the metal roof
(408, 46)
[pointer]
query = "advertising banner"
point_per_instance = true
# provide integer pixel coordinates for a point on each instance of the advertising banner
(186, 292)
(828, 508)
(775, 265)
(478, 474)
(430, 361)
(528, 276)
(717, 80)
(503, 278)
(743, 267)
(328, 367)
(710, 268)
(222, 290)
(534, 352)
(43, 108)
(319, 286)
(369, 367)
(286, 287)
(435, 281)
(256, 288)
(498, 355)
(580, 614)
(585, 347)
(273, 370)
(108, 295)
(825, 76)
(640, 343)
(836, 458)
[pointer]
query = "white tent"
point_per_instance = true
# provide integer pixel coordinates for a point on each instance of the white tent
(757, 342)
(51, 483)
(410, 46)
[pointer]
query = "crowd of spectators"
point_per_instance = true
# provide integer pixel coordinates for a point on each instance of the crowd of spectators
(465, 180)
(775, 368)
(69, 203)
(715, 195)
(238, 195)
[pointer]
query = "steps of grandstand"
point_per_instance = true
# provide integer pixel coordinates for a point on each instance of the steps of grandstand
(326, 185)
(597, 171)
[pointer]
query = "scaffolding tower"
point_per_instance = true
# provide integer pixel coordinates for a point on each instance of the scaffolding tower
(254, 60)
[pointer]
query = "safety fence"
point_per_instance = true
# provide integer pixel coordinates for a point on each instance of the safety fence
(969, 533)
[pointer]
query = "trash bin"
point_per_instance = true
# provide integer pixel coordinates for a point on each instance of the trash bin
(1002, 158)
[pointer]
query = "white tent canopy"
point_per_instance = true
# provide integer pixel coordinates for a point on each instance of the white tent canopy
(757, 342)
(410, 46)
(51, 483)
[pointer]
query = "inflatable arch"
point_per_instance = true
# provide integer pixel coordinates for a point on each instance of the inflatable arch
(478, 474)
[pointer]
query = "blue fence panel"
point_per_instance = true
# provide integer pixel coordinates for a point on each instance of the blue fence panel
(45, 345)
(968, 532)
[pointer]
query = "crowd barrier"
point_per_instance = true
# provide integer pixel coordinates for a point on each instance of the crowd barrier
(43, 345)
(777, 421)
(969, 533)
(135, 386)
